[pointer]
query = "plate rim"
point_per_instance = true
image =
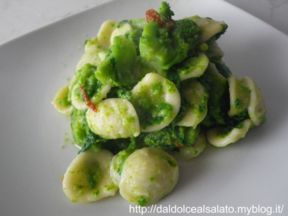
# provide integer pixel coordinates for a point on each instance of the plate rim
(27, 34)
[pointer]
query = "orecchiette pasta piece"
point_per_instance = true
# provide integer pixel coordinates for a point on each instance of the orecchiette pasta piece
(94, 53)
(156, 100)
(197, 98)
(84, 83)
(117, 164)
(239, 96)
(221, 137)
(217, 86)
(61, 101)
(256, 108)
(78, 101)
(122, 29)
(115, 118)
(190, 152)
(193, 67)
(77, 98)
(148, 175)
(209, 28)
(87, 178)
(105, 32)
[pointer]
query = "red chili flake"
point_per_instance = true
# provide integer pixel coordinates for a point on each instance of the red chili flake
(87, 100)
(153, 15)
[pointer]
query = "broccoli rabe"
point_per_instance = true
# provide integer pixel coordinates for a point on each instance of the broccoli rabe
(156, 47)
(82, 135)
(162, 47)
(218, 102)
(171, 137)
(188, 31)
(79, 126)
(119, 68)
(165, 12)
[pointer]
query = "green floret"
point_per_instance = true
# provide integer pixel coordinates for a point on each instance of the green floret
(82, 135)
(85, 77)
(160, 48)
(171, 137)
(165, 12)
(163, 47)
(160, 139)
(218, 102)
(79, 126)
(124, 93)
(119, 68)
(92, 141)
(190, 135)
(124, 53)
(188, 31)
(136, 30)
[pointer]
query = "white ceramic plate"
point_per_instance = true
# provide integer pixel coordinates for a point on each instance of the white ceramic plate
(32, 159)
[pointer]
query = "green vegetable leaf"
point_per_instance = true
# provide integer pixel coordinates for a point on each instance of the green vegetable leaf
(165, 12)
(92, 140)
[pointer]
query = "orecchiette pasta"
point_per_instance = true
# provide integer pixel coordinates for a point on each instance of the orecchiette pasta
(93, 53)
(239, 96)
(87, 178)
(157, 101)
(61, 101)
(220, 137)
(193, 67)
(77, 97)
(148, 175)
(120, 30)
(115, 118)
(117, 164)
(190, 152)
(256, 108)
(197, 99)
(105, 32)
(209, 28)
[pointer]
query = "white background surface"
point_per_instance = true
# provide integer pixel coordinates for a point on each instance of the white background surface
(18, 17)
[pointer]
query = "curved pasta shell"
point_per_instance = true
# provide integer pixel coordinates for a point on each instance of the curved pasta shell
(209, 27)
(148, 175)
(218, 137)
(87, 178)
(115, 118)
(149, 94)
(239, 96)
(256, 108)
(197, 97)
(193, 67)
(116, 165)
(77, 97)
(190, 152)
(121, 30)
(60, 101)
(105, 32)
